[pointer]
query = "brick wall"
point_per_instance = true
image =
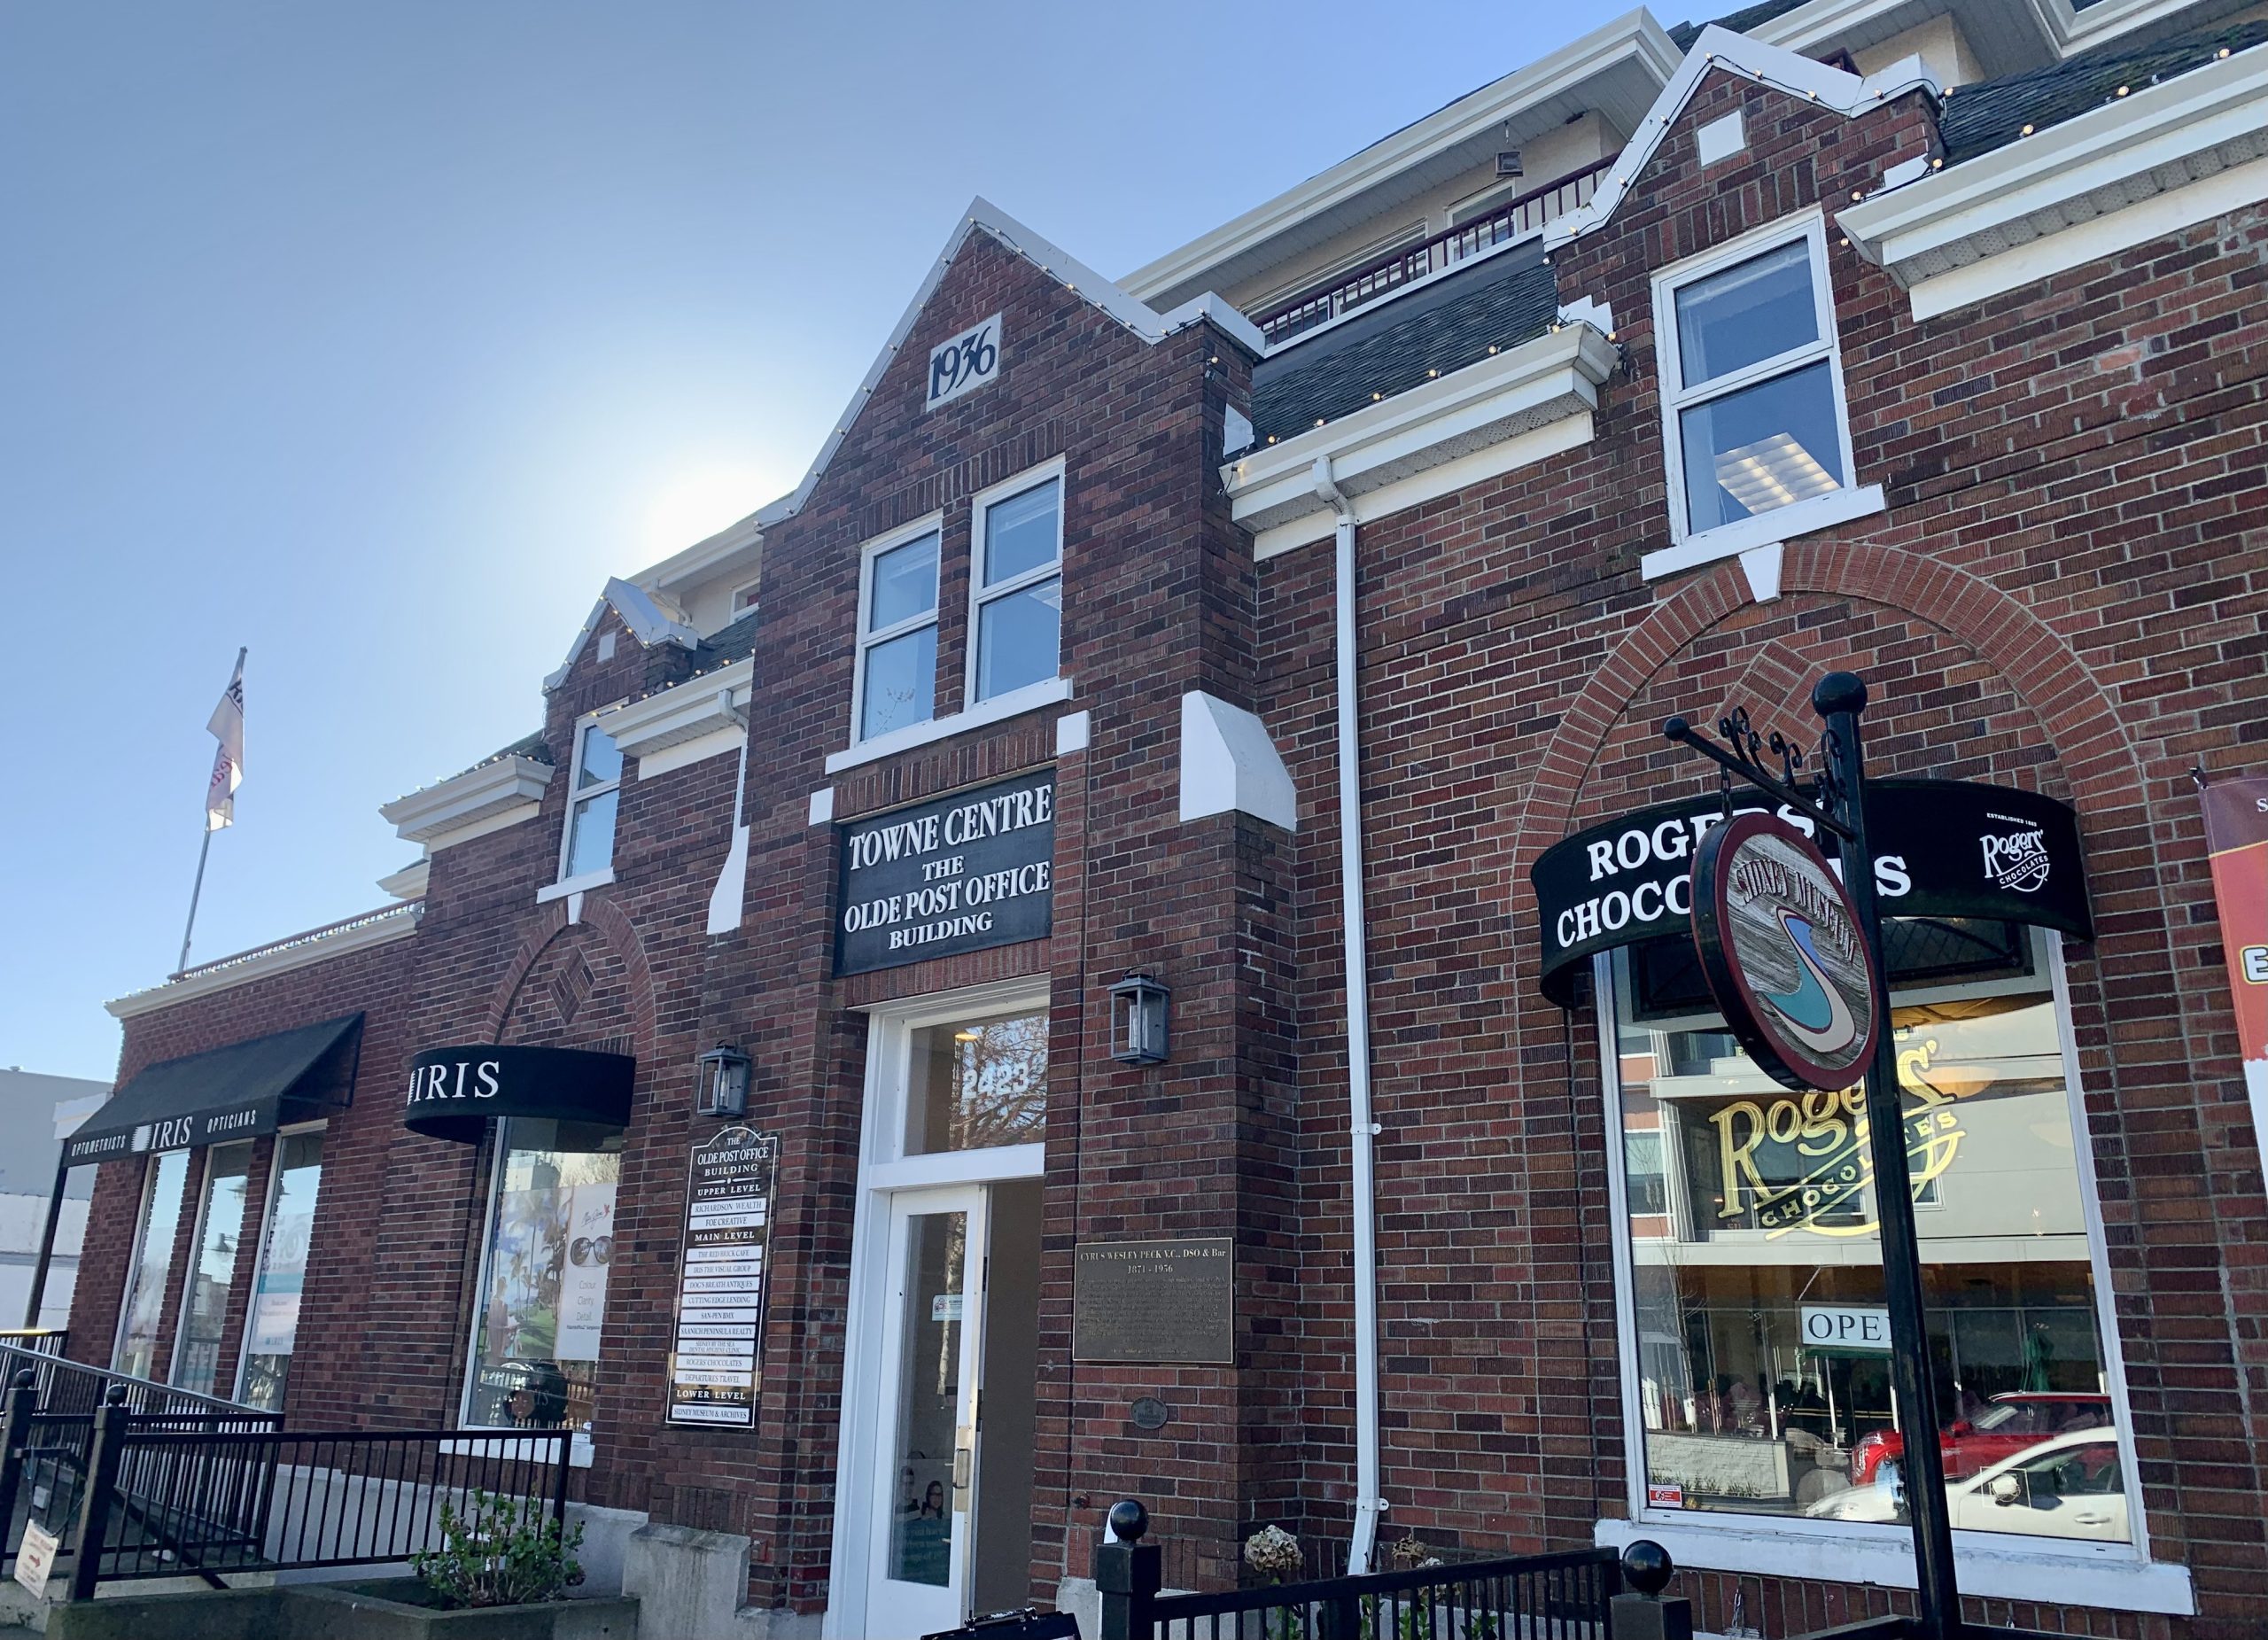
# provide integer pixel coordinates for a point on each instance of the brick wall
(2063, 593)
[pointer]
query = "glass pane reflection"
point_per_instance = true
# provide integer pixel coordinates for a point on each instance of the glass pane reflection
(1761, 1325)
(978, 1082)
(929, 1409)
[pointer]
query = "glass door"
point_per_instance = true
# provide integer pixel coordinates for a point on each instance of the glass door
(924, 1484)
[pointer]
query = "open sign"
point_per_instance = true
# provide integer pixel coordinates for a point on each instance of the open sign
(1865, 1330)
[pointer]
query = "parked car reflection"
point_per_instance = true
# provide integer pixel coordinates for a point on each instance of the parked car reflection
(2071, 1485)
(2008, 1425)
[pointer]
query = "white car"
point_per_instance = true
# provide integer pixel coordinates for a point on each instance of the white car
(2069, 1486)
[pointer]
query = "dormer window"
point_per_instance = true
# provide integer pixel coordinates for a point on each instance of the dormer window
(1752, 388)
(592, 799)
(897, 685)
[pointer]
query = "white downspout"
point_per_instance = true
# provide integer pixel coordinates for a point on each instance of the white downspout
(1368, 1504)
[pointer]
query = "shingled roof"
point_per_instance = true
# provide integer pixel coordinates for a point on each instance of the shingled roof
(1444, 327)
(1993, 114)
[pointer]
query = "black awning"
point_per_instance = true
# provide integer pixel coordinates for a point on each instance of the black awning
(239, 1091)
(455, 1093)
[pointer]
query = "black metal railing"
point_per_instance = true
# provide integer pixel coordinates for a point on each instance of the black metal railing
(49, 1424)
(75, 1388)
(1551, 1597)
(198, 1492)
(1521, 217)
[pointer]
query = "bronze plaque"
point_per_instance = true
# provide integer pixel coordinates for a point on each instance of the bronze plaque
(1154, 1301)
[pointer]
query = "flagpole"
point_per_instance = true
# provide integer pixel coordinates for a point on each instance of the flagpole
(205, 849)
(195, 893)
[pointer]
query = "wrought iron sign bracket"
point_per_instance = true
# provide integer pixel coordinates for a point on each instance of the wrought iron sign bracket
(1743, 756)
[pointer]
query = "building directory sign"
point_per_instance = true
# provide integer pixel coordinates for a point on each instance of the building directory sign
(956, 874)
(716, 1353)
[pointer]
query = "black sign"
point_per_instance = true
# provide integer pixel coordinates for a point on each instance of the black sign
(455, 1093)
(1154, 1301)
(1786, 959)
(953, 875)
(713, 1371)
(1942, 848)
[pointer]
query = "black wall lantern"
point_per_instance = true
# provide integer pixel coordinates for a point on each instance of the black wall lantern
(1138, 1021)
(724, 1083)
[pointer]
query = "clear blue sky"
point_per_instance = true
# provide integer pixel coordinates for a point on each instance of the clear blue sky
(375, 336)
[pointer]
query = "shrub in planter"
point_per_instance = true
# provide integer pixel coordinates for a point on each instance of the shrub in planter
(504, 1552)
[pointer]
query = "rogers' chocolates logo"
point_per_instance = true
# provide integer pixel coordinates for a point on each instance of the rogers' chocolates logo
(2018, 861)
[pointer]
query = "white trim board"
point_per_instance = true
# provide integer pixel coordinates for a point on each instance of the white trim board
(2166, 158)
(1718, 48)
(396, 922)
(1144, 320)
(1512, 407)
(651, 621)
(1032, 697)
(2108, 1582)
(1633, 55)
(461, 802)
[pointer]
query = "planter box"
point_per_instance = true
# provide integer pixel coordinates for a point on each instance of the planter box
(390, 1611)
(374, 1611)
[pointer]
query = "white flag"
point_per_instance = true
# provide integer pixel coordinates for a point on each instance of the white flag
(227, 726)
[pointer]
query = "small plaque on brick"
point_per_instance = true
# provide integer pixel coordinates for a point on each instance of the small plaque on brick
(1154, 1301)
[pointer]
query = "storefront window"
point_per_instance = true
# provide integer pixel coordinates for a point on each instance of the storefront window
(272, 1328)
(977, 1084)
(153, 1265)
(543, 1286)
(220, 1228)
(1760, 1336)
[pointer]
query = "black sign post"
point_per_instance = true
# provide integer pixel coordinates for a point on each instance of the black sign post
(1839, 805)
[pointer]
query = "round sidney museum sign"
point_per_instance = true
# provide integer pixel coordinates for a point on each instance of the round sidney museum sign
(1779, 940)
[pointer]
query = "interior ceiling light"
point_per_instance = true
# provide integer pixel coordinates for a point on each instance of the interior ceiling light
(1772, 472)
(966, 1036)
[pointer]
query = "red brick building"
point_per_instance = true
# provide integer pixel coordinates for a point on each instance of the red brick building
(1922, 342)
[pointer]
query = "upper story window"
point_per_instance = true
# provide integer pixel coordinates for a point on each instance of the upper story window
(1018, 589)
(897, 684)
(1752, 405)
(592, 800)
(745, 598)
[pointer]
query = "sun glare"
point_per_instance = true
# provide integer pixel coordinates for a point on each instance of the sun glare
(700, 501)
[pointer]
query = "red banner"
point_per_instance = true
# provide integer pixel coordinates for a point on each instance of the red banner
(2236, 835)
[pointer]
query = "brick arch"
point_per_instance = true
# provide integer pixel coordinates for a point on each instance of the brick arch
(2081, 719)
(620, 936)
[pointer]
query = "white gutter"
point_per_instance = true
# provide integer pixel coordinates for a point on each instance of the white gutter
(1368, 1504)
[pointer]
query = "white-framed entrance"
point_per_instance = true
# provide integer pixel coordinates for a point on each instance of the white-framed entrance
(934, 1462)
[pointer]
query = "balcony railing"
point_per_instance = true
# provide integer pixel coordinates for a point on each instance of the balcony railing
(1521, 217)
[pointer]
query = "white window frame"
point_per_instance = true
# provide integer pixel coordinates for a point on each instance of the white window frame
(735, 609)
(980, 595)
(932, 524)
(1690, 546)
(260, 1252)
(151, 1161)
(2116, 1576)
(204, 1177)
(576, 796)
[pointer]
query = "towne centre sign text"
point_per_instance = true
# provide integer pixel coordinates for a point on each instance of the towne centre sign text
(956, 874)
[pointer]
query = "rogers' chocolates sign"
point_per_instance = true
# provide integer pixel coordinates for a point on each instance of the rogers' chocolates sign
(960, 873)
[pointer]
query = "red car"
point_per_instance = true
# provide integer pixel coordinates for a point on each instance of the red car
(2012, 1423)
